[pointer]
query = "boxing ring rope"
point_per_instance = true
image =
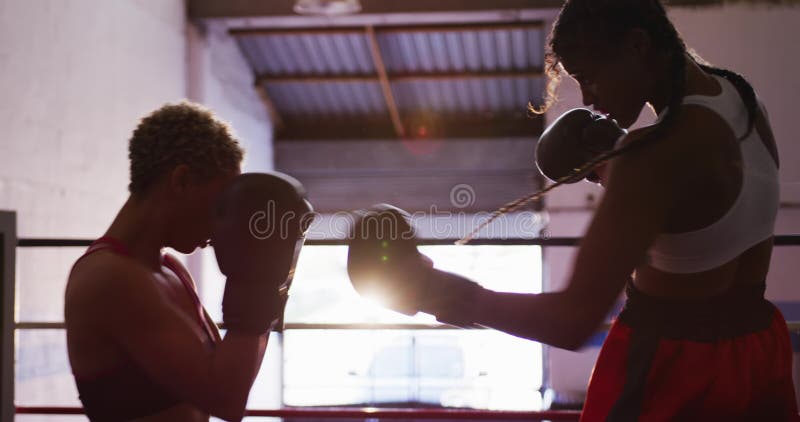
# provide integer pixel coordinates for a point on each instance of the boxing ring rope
(9, 242)
(365, 413)
(791, 325)
(780, 240)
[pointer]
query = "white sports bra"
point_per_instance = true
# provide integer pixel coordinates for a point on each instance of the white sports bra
(749, 221)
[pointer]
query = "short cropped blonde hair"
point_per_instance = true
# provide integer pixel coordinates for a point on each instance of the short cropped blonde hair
(183, 133)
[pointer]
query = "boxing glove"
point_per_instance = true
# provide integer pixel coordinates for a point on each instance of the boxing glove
(572, 140)
(383, 260)
(259, 228)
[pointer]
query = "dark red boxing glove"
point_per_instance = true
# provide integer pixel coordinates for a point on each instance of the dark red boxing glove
(259, 230)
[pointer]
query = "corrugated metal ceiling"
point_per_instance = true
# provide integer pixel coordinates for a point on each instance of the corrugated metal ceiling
(463, 51)
(305, 54)
(472, 73)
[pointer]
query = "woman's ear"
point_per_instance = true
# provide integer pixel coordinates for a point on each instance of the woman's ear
(179, 178)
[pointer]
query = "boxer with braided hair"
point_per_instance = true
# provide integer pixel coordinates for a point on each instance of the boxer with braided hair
(685, 227)
(570, 22)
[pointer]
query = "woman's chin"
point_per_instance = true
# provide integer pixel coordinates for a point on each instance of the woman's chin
(186, 247)
(624, 119)
(624, 122)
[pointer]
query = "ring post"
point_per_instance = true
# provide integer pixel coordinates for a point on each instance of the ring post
(8, 247)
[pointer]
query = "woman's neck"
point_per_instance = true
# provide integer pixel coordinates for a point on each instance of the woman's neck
(139, 228)
(698, 82)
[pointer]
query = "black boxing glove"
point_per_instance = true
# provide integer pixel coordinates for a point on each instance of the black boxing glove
(383, 259)
(260, 225)
(572, 140)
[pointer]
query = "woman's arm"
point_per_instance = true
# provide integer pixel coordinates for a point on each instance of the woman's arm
(639, 194)
(126, 305)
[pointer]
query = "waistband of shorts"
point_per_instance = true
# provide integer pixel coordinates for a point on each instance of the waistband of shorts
(739, 311)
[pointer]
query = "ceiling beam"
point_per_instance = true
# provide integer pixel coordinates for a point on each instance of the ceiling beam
(386, 87)
(330, 128)
(500, 125)
(460, 27)
(399, 77)
(331, 30)
(287, 79)
(205, 9)
(386, 29)
(247, 8)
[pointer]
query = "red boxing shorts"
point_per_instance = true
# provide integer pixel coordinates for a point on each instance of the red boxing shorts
(725, 358)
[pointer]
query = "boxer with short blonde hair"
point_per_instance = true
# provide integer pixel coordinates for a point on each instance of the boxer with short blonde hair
(140, 343)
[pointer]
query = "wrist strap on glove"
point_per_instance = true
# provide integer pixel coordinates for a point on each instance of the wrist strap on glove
(250, 307)
(452, 298)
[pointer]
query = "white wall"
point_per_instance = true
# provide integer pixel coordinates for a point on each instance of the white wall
(757, 42)
(76, 77)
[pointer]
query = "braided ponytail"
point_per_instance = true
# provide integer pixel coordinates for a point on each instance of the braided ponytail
(745, 91)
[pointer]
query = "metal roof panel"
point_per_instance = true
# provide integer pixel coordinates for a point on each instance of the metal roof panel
(484, 95)
(327, 99)
(306, 54)
(451, 51)
(458, 51)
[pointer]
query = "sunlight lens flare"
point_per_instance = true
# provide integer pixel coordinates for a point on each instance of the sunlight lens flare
(377, 297)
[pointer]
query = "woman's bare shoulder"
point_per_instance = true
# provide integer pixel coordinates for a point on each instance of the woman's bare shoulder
(104, 276)
(691, 134)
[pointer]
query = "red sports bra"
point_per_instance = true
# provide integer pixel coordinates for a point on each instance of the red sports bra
(126, 391)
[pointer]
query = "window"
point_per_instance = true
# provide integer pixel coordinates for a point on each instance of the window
(42, 372)
(424, 365)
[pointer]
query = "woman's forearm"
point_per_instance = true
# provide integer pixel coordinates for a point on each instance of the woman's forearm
(559, 318)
